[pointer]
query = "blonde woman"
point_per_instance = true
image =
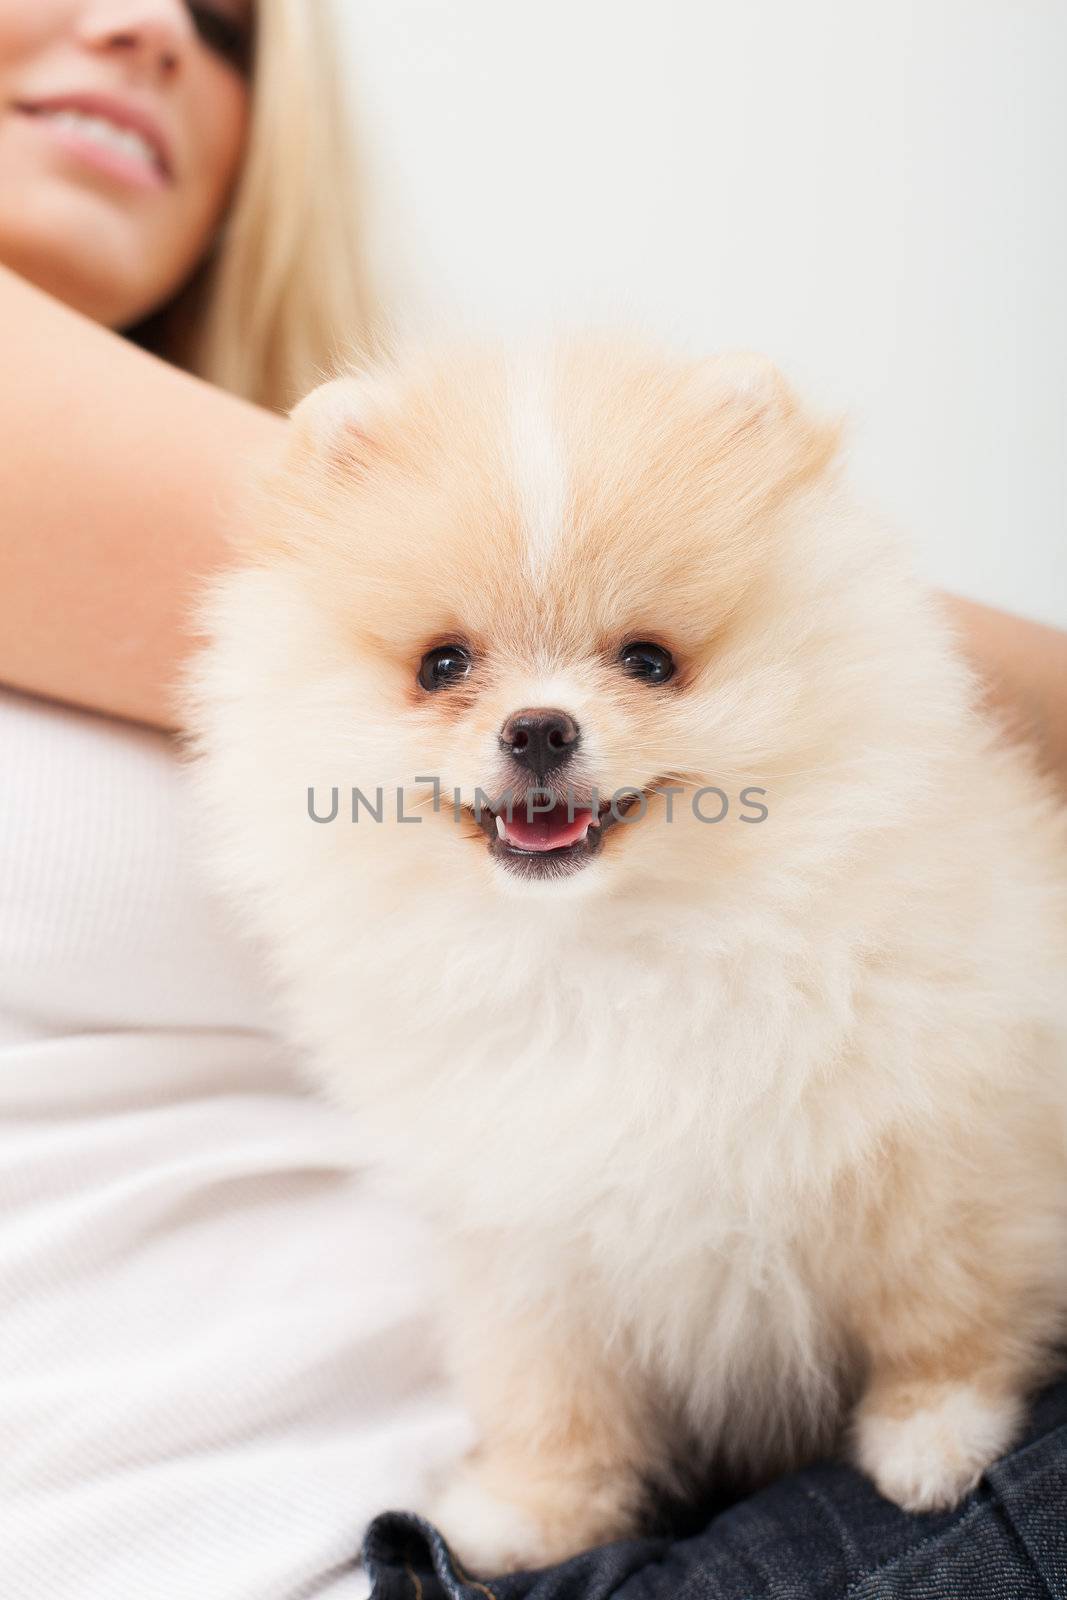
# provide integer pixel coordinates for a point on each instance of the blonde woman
(214, 1362)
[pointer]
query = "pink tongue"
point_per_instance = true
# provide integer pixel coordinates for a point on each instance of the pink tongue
(548, 830)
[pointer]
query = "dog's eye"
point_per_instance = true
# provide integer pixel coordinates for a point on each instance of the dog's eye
(447, 664)
(646, 661)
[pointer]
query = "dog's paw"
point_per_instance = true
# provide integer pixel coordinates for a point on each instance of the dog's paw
(487, 1534)
(926, 1448)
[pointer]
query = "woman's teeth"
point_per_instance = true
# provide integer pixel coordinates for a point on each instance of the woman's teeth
(126, 140)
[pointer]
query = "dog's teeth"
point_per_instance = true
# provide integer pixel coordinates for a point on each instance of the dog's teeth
(594, 822)
(500, 828)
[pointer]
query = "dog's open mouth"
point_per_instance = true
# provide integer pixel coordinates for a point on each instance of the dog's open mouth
(549, 843)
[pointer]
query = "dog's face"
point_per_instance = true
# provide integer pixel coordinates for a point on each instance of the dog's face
(549, 581)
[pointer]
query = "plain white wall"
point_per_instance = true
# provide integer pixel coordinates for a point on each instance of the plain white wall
(872, 193)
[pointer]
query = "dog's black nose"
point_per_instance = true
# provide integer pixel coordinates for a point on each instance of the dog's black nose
(539, 739)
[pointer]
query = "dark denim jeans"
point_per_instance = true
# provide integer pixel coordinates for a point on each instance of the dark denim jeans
(821, 1534)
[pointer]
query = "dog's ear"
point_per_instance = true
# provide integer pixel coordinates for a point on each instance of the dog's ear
(744, 382)
(753, 411)
(335, 438)
(334, 427)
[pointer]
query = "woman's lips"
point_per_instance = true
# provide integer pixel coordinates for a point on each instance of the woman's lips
(80, 142)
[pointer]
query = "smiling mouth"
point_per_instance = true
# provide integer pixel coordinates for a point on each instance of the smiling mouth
(549, 844)
(122, 151)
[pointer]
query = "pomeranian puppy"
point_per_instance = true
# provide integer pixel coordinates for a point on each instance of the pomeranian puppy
(635, 862)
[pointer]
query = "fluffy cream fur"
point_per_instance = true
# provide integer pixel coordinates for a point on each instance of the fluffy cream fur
(740, 1129)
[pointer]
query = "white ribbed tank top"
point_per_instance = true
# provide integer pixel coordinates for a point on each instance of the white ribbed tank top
(216, 1360)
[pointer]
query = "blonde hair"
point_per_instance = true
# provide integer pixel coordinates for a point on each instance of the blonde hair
(284, 296)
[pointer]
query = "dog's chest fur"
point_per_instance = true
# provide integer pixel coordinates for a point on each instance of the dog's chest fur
(629, 1113)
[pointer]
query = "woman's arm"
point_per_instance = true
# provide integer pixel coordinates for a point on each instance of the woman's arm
(118, 477)
(1024, 665)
